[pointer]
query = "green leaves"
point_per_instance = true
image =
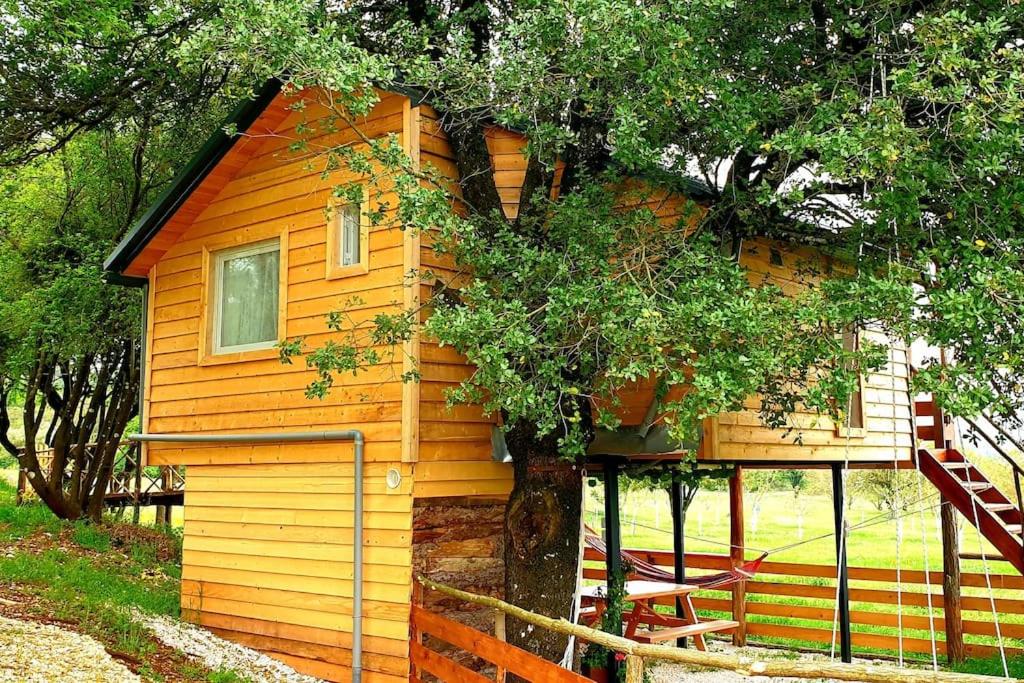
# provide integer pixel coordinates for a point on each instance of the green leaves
(887, 135)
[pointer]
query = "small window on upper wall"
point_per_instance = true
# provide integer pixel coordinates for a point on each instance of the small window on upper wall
(347, 241)
(854, 421)
(246, 297)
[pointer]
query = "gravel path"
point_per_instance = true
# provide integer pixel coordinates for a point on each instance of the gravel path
(40, 653)
(217, 653)
(666, 672)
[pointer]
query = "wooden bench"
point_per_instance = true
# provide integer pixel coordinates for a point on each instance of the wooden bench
(700, 628)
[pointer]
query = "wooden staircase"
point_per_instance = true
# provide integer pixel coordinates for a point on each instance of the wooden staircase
(996, 516)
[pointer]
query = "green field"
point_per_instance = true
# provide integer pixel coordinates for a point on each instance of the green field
(784, 519)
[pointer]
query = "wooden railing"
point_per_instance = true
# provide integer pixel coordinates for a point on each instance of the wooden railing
(442, 648)
(796, 602)
(129, 484)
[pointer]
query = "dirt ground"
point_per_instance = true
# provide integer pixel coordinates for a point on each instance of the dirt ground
(666, 672)
(20, 606)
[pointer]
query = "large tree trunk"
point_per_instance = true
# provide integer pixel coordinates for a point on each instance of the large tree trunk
(542, 539)
(543, 515)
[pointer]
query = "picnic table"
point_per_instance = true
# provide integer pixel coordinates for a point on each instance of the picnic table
(657, 627)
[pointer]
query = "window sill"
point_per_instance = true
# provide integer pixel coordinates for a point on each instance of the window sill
(239, 356)
(339, 272)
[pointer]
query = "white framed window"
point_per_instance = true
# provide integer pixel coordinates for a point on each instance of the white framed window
(348, 237)
(246, 297)
(349, 231)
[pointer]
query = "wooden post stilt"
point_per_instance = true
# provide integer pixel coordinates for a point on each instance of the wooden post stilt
(137, 482)
(613, 544)
(736, 543)
(678, 545)
(955, 651)
(838, 501)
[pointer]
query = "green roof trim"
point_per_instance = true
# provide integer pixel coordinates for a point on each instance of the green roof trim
(205, 160)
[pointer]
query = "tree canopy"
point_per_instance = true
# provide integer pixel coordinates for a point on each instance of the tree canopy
(887, 133)
(97, 115)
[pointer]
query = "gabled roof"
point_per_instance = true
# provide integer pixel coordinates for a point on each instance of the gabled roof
(193, 188)
(190, 177)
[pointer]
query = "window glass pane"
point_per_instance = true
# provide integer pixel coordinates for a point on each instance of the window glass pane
(249, 298)
(350, 234)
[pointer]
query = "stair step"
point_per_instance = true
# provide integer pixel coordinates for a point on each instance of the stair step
(926, 432)
(987, 556)
(1014, 528)
(977, 486)
(999, 507)
(957, 465)
(924, 408)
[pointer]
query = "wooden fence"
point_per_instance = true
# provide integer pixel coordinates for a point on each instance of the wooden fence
(796, 602)
(443, 648)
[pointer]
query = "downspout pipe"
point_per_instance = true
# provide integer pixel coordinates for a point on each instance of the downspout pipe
(357, 438)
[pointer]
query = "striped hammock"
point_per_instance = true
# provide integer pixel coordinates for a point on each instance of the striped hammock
(653, 572)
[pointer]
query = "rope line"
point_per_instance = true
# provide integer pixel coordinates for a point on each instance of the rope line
(988, 579)
(899, 522)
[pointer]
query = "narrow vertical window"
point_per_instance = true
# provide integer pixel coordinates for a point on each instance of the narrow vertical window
(246, 297)
(348, 236)
(350, 231)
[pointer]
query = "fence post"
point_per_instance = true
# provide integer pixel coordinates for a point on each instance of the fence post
(634, 669)
(736, 541)
(136, 510)
(955, 651)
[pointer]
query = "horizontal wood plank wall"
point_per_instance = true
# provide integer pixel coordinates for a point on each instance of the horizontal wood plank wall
(240, 153)
(886, 392)
(272, 544)
(268, 528)
(455, 444)
(795, 601)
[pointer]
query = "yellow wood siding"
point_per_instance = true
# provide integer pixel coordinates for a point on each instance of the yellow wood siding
(273, 543)
(268, 528)
(741, 436)
(454, 444)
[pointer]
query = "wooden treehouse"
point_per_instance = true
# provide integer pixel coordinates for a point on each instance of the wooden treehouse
(238, 255)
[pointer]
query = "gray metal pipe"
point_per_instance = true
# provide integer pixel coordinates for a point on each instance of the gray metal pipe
(353, 435)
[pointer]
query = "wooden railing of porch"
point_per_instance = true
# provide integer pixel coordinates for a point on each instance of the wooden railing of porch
(789, 602)
(129, 485)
